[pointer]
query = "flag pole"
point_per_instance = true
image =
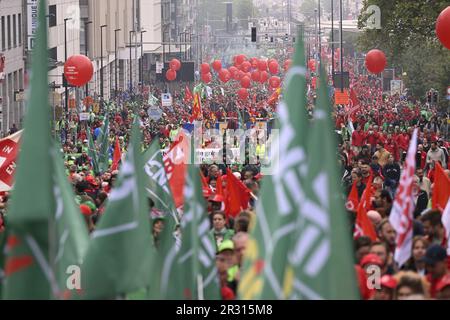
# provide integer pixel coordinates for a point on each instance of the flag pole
(200, 287)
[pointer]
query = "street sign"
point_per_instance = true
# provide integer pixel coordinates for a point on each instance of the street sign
(19, 96)
(159, 67)
(84, 116)
(155, 113)
(166, 99)
(341, 97)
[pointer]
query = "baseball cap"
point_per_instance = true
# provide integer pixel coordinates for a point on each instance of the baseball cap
(371, 258)
(226, 245)
(388, 281)
(85, 210)
(435, 253)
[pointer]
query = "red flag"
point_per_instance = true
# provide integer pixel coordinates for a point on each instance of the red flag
(9, 148)
(196, 109)
(441, 189)
(187, 95)
(175, 163)
(354, 98)
(117, 155)
(352, 199)
(401, 217)
(363, 226)
(220, 196)
(205, 186)
(238, 195)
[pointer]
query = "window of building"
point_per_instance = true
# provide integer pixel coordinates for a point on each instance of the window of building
(3, 34)
(53, 57)
(52, 16)
(19, 24)
(8, 23)
(14, 31)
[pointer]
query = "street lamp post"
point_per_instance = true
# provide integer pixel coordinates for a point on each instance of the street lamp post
(332, 41)
(86, 40)
(115, 62)
(141, 71)
(340, 50)
(101, 59)
(66, 93)
(131, 67)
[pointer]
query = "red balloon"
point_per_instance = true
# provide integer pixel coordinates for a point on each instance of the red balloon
(287, 64)
(264, 77)
(217, 65)
(207, 77)
(274, 82)
(443, 27)
(233, 69)
(171, 74)
(375, 61)
(246, 66)
(204, 68)
(78, 70)
(240, 59)
(175, 64)
(224, 75)
(242, 93)
(254, 62)
(245, 82)
(262, 65)
(273, 67)
(256, 75)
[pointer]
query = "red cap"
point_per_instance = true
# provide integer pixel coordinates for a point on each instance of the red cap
(371, 258)
(85, 210)
(388, 281)
(445, 281)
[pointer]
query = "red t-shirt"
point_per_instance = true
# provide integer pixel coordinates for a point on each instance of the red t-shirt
(358, 138)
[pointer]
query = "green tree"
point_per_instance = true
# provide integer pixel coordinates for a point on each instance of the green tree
(407, 36)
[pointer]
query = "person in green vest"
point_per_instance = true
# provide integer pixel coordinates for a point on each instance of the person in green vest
(219, 231)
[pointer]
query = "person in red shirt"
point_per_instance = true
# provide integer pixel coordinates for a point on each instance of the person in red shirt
(372, 138)
(358, 137)
(436, 264)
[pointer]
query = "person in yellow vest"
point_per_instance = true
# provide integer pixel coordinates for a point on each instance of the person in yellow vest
(174, 132)
(260, 150)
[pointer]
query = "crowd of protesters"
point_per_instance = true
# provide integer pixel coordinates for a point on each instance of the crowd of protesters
(374, 137)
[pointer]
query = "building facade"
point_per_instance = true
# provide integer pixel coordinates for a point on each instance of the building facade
(12, 64)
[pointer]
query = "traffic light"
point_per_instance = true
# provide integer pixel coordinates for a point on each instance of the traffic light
(271, 39)
(266, 37)
(286, 37)
(253, 34)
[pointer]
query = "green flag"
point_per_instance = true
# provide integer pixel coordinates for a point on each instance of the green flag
(152, 100)
(281, 194)
(45, 234)
(321, 263)
(119, 256)
(92, 152)
(198, 88)
(157, 183)
(193, 274)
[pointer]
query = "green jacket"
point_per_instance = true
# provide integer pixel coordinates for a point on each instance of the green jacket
(226, 234)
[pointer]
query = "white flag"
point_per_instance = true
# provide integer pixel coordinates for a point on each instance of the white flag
(401, 216)
(446, 223)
